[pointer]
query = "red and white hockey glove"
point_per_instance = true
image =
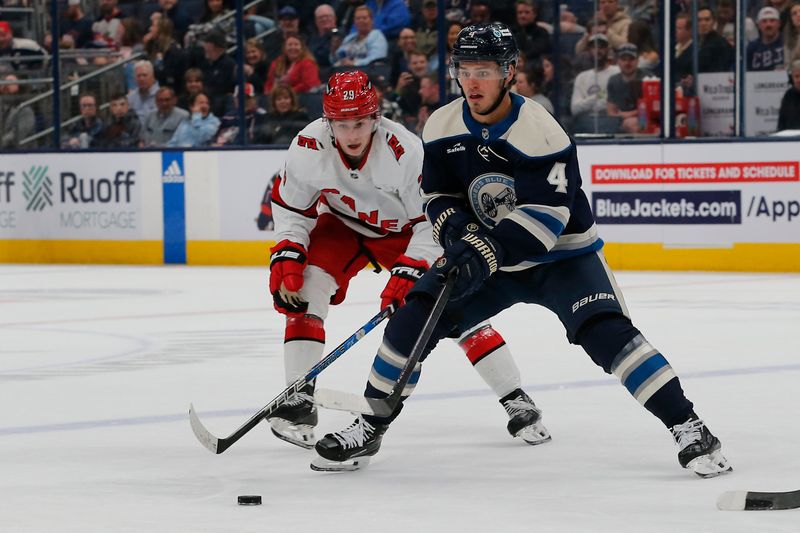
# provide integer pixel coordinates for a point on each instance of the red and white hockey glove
(287, 262)
(405, 273)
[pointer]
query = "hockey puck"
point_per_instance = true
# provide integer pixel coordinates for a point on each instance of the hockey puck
(249, 500)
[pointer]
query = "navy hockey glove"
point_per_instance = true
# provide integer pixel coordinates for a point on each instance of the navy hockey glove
(476, 257)
(287, 262)
(451, 225)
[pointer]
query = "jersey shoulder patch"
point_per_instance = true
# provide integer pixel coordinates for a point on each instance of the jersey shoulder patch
(447, 121)
(536, 133)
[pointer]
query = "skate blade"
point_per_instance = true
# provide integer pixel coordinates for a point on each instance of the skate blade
(712, 465)
(534, 434)
(298, 434)
(320, 464)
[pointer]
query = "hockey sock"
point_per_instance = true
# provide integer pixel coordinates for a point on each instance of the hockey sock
(619, 348)
(304, 342)
(487, 351)
(394, 352)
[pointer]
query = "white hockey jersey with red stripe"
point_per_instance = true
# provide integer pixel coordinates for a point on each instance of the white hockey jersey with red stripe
(380, 197)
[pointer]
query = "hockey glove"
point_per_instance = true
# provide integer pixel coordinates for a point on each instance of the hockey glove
(476, 257)
(451, 225)
(287, 262)
(405, 273)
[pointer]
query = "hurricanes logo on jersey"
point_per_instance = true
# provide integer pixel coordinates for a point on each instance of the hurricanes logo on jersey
(492, 197)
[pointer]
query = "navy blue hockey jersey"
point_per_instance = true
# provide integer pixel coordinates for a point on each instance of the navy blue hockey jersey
(519, 178)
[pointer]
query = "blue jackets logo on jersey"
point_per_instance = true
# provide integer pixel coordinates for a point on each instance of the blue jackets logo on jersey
(492, 197)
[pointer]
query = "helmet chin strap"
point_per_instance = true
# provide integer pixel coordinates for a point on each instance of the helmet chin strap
(497, 101)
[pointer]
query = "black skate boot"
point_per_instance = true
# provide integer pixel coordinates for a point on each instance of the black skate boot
(700, 451)
(350, 448)
(525, 418)
(295, 420)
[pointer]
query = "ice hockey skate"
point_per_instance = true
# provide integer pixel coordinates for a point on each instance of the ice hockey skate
(525, 419)
(349, 449)
(700, 451)
(295, 420)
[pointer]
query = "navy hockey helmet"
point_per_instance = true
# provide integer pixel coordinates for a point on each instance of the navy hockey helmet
(491, 41)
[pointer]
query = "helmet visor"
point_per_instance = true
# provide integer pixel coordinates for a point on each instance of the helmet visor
(469, 70)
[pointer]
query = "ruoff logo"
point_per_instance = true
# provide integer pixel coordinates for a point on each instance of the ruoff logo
(593, 298)
(37, 188)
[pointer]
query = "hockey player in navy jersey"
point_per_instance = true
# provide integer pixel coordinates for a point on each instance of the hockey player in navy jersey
(503, 191)
(349, 196)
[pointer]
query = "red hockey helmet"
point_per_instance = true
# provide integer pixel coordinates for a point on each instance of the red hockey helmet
(349, 95)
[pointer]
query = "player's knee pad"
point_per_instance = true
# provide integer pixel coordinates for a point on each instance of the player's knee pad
(318, 287)
(604, 336)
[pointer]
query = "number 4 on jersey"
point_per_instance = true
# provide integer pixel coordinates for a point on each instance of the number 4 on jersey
(558, 177)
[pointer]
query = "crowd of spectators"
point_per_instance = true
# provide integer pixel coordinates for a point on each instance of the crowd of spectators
(181, 90)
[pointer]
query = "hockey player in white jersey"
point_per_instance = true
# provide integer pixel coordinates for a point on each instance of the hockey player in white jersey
(348, 197)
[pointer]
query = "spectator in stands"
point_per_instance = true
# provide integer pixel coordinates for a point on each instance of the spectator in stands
(289, 22)
(284, 120)
(783, 9)
(641, 37)
(160, 125)
(256, 65)
(682, 60)
(254, 24)
(479, 12)
(406, 90)
(81, 134)
(107, 26)
(123, 130)
(389, 108)
(20, 122)
(426, 33)
(726, 23)
(453, 29)
(388, 16)
(295, 67)
(168, 58)
(143, 99)
(76, 27)
(254, 117)
(181, 19)
(406, 43)
(130, 43)
(530, 81)
(766, 52)
(192, 84)
(625, 89)
(644, 10)
(16, 47)
(219, 71)
(320, 41)
(531, 38)
(791, 35)
(714, 54)
(616, 20)
(215, 19)
(199, 129)
(429, 100)
(590, 92)
(365, 45)
(288, 25)
(789, 115)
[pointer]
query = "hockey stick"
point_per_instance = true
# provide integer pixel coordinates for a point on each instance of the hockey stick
(384, 407)
(217, 445)
(742, 500)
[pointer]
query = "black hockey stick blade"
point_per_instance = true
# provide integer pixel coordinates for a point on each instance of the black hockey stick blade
(742, 500)
(218, 445)
(384, 407)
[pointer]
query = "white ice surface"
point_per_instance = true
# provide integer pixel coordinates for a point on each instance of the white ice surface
(98, 365)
